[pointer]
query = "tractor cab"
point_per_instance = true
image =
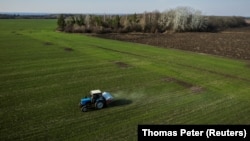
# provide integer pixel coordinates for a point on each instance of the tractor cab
(95, 95)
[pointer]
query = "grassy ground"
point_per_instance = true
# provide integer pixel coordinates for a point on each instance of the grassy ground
(44, 74)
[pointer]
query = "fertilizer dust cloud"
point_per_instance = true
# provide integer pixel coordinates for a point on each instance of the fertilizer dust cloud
(128, 95)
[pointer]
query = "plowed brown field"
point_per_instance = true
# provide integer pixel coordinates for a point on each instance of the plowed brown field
(232, 43)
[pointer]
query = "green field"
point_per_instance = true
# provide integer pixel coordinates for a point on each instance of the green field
(45, 73)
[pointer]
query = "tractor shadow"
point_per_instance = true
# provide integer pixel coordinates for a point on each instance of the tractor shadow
(120, 102)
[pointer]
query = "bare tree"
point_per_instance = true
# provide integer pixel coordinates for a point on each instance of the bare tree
(87, 20)
(198, 21)
(182, 19)
(166, 20)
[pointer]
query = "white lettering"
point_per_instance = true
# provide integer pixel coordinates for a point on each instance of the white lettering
(148, 132)
(184, 132)
(225, 133)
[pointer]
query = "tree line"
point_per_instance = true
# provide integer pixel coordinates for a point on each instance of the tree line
(180, 19)
(28, 16)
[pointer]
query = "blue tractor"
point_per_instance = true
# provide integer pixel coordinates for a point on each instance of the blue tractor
(96, 100)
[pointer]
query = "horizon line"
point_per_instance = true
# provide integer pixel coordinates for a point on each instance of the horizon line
(77, 13)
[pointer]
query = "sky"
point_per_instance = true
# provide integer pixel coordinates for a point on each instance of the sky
(208, 7)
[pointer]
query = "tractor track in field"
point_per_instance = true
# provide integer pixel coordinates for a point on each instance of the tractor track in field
(217, 73)
(192, 87)
(123, 52)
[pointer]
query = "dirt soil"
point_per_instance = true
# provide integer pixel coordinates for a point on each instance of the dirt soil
(232, 43)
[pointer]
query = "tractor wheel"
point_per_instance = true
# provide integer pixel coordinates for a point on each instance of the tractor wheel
(84, 109)
(99, 104)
